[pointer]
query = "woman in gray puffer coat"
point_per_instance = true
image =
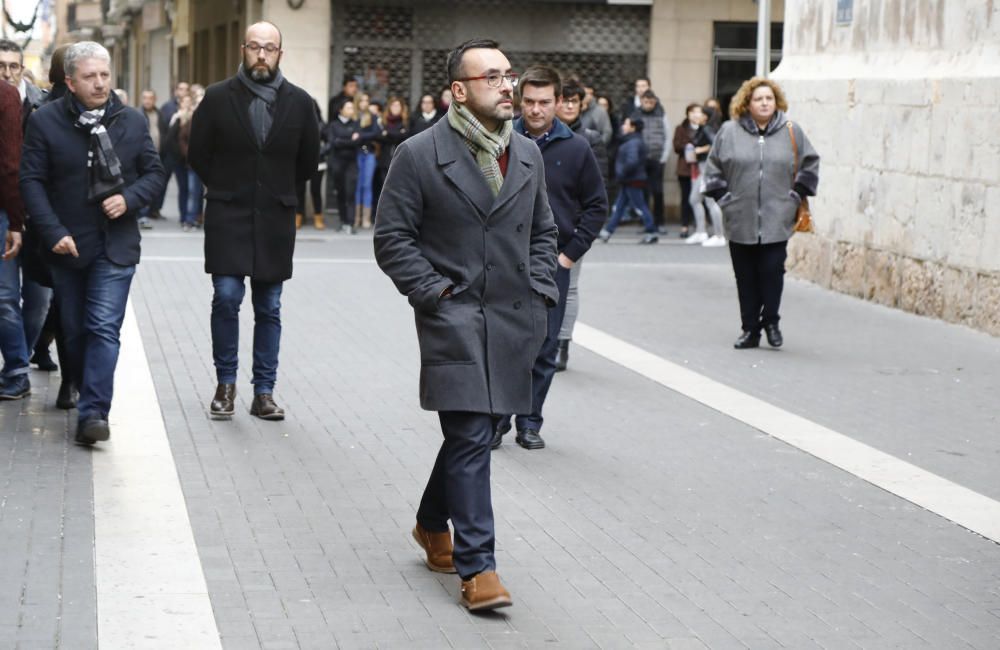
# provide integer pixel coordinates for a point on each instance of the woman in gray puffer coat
(751, 173)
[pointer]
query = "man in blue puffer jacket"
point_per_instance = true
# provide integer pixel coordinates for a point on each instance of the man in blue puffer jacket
(630, 170)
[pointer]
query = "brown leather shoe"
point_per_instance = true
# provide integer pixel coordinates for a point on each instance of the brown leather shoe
(263, 406)
(484, 591)
(224, 403)
(438, 548)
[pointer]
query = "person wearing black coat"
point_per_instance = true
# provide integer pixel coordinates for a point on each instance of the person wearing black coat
(344, 139)
(86, 217)
(395, 128)
(425, 116)
(254, 137)
(315, 186)
(38, 279)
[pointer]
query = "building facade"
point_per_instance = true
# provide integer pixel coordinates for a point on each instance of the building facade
(900, 99)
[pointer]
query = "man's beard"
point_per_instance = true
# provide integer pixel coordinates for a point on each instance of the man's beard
(260, 72)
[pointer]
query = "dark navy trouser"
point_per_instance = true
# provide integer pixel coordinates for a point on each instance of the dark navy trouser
(459, 489)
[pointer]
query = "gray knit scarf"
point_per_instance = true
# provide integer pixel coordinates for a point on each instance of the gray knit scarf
(262, 105)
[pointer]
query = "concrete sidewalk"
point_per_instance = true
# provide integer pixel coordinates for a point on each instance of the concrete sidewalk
(649, 521)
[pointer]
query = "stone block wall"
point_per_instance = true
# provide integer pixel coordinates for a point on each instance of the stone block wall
(902, 106)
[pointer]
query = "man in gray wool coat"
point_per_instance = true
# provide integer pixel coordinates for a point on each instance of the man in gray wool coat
(464, 230)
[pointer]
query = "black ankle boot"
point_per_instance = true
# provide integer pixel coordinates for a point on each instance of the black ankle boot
(747, 340)
(774, 338)
(562, 357)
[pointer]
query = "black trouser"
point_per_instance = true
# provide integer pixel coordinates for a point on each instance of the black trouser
(654, 185)
(315, 190)
(545, 364)
(687, 212)
(345, 181)
(459, 489)
(760, 278)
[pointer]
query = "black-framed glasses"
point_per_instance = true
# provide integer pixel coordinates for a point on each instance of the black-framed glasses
(13, 67)
(270, 48)
(571, 101)
(495, 79)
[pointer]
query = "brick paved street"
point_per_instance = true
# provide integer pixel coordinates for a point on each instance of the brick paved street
(650, 520)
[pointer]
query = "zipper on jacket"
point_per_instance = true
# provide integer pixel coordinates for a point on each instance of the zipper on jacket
(760, 185)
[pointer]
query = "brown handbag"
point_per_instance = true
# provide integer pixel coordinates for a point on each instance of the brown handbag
(803, 217)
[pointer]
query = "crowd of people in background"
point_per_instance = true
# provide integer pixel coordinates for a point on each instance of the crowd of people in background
(363, 131)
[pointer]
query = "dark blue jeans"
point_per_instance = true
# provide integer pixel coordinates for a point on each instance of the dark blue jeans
(266, 298)
(459, 489)
(91, 308)
(34, 309)
(12, 343)
(545, 364)
(628, 198)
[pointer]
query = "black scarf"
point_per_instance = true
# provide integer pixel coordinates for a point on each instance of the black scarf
(265, 93)
(103, 167)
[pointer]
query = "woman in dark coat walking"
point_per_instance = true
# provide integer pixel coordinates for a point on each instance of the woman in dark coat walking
(751, 172)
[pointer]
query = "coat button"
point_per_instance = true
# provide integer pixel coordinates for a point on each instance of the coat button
(517, 304)
(520, 227)
(486, 228)
(520, 267)
(489, 267)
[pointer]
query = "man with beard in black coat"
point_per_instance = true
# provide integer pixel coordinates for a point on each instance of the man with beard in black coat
(250, 166)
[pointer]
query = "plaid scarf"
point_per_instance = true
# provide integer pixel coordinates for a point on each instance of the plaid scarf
(486, 147)
(103, 166)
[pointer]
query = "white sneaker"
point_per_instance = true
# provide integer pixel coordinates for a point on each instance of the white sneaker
(697, 238)
(714, 240)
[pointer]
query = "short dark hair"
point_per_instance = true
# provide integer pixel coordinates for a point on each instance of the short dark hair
(454, 60)
(636, 120)
(57, 69)
(649, 94)
(7, 45)
(541, 76)
(646, 79)
(348, 79)
(573, 87)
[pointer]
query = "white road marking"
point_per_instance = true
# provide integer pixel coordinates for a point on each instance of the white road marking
(945, 498)
(151, 591)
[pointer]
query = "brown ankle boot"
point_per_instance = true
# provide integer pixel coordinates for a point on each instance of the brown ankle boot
(484, 591)
(366, 217)
(318, 222)
(298, 220)
(357, 216)
(438, 548)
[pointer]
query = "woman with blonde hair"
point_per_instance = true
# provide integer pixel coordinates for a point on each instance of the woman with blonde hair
(760, 168)
(370, 131)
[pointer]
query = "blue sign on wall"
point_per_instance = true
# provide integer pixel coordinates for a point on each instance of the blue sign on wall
(845, 12)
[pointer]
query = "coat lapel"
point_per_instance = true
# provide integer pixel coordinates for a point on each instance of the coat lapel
(241, 107)
(519, 171)
(460, 167)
